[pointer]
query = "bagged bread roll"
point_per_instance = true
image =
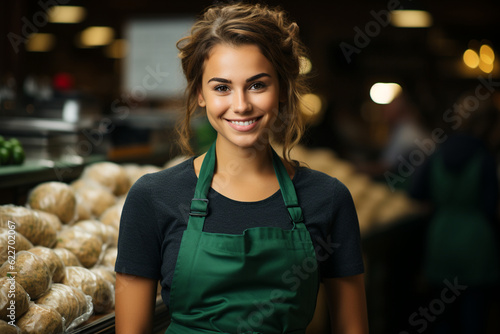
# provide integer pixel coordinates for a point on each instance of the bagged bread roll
(98, 197)
(52, 260)
(68, 257)
(14, 301)
(28, 223)
(66, 300)
(83, 209)
(107, 233)
(112, 216)
(110, 175)
(6, 328)
(50, 219)
(31, 272)
(86, 246)
(16, 241)
(101, 291)
(54, 197)
(106, 272)
(109, 257)
(40, 319)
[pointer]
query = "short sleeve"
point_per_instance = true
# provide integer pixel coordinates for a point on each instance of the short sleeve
(341, 254)
(139, 242)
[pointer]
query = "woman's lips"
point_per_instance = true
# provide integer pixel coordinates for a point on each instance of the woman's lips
(244, 125)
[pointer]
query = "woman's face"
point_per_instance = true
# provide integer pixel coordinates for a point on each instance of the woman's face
(241, 93)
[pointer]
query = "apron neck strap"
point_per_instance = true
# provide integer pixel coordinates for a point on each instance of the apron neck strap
(199, 203)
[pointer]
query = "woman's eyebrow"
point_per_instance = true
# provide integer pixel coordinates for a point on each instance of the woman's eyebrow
(219, 80)
(257, 76)
(252, 78)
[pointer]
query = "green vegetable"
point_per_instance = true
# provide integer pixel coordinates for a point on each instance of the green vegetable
(4, 156)
(18, 155)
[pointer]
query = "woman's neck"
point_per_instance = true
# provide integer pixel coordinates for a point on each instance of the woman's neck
(234, 161)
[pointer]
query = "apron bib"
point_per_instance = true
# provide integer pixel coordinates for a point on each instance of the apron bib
(262, 281)
(460, 239)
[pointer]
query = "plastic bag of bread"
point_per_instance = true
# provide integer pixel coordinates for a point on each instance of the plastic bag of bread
(54, 197)
(40, 319)
(31, 272)
(6, 328)
(28, 223)
(68, 257)
(107, 233)
(16, 241)
(112, 216)
(86, 308)
(109, 257)
(101, 291)
(86, 246)
(14, 301)
(50, 218)
(98, 197)
(106, 272)
(52, 260)
(110, 175)
(67, 301)
(83, 209)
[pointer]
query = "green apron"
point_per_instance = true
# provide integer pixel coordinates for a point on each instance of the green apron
(460, 239)
(262, 281)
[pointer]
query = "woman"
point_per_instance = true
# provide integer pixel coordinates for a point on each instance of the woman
(238, 237)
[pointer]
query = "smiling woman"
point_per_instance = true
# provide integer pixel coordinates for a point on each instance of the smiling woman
(255, 222)
(240, 91)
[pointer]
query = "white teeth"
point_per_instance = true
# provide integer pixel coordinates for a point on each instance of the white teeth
(244, 123)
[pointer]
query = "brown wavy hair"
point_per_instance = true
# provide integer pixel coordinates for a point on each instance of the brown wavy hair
(278, 39)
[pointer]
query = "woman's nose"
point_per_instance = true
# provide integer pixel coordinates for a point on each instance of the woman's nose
(241, 103)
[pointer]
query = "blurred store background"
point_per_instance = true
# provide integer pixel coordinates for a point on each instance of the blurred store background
(391, 82)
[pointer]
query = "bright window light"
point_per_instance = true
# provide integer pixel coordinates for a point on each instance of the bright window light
(66, 14)
(384, 92)
(411, 18)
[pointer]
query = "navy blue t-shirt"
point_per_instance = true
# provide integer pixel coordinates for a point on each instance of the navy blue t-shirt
(156, 212)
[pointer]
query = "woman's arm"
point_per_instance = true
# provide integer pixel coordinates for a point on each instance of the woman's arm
(135, 300)
(347, 304)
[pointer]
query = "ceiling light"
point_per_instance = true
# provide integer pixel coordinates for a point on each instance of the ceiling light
(384, 92)
(411, 18)
(40, 42)
(66, 14)
(96, 36)
(471, 58)
(487, 54)
(305, 65)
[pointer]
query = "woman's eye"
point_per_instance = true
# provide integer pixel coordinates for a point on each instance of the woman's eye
(221, 88)
(257, 85)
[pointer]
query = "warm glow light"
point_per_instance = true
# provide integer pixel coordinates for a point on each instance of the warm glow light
(485, 67)
(487, 54)
(40, 42)
(305, 65)
(311, 104)
(384, 93)
(96, 36)
(411, 18)
(66, 14)
(118, 49)
(471, 58)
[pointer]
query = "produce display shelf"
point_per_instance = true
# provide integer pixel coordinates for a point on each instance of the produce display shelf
(105, 324)
(43, 170)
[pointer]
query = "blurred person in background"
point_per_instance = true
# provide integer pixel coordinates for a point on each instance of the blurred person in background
(459, 183)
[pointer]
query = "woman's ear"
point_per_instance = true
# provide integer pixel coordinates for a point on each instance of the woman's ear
(201, 100)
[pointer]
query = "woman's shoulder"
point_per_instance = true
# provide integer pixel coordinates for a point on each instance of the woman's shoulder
(173, 176)
(314, 181)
